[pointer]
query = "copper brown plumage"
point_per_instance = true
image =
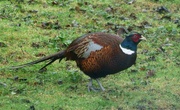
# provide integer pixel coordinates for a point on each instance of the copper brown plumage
(98, 54)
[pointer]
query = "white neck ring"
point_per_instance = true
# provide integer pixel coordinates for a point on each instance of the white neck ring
(126, 51)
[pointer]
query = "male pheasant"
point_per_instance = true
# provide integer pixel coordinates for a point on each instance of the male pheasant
(97, 55)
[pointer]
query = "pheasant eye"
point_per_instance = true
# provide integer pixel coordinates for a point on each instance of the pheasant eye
(135, 38)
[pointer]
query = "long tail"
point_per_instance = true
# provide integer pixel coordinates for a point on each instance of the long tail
(52, 58)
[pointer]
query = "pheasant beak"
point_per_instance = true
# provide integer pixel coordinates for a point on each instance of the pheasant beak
(143, 38)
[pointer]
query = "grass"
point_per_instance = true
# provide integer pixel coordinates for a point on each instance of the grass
(30, 29)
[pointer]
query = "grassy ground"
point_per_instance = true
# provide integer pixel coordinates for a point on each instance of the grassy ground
(30, 29)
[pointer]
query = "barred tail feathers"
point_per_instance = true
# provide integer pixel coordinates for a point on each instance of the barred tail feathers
(52, 58)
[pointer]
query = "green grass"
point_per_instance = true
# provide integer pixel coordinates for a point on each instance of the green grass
(30, 29)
